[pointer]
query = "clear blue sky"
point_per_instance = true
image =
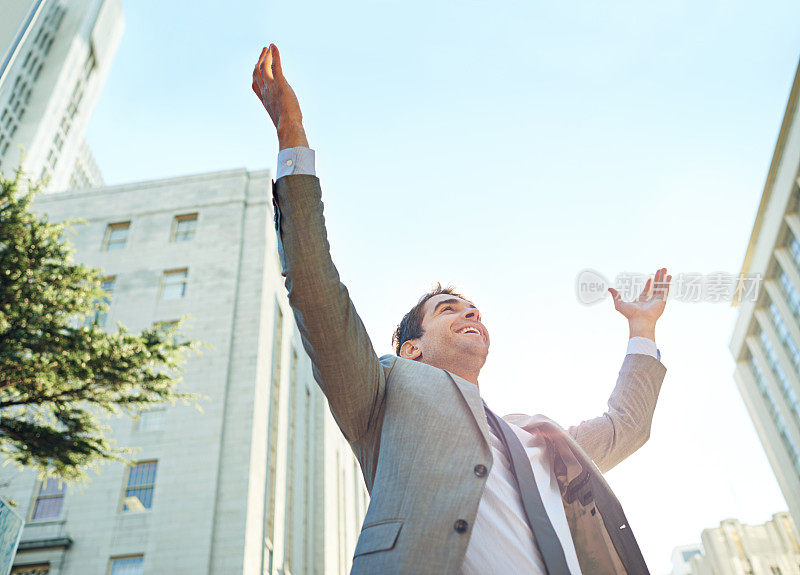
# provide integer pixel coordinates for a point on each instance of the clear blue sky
(504, 146)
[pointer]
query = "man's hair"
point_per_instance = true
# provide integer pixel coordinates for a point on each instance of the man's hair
(410, 326)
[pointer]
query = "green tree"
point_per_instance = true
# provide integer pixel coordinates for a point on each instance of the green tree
(60, 373)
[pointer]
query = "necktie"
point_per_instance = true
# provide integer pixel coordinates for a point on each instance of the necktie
(543, 532)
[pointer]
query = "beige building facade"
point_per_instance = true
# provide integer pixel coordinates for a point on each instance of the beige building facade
(262, 482)
(737, 549)
(766, 338)
(55, 57)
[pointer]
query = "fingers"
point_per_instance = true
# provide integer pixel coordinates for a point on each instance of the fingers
(266, 66)
(277, 70)
(257, 69)
(662, 284)
(646, 290)
(262, 73)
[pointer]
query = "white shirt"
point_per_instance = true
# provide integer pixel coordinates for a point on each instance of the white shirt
(501, 540)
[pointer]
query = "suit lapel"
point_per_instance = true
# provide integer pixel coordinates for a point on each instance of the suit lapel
(469, 391)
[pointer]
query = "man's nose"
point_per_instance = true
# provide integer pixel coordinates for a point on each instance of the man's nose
(473, 313)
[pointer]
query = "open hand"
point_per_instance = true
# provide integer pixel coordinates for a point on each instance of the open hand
(648, 307)
(278, 98)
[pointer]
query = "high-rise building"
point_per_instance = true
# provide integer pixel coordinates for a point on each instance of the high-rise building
(54, 58)
(737, 549)
(766, 338)
(262, 481)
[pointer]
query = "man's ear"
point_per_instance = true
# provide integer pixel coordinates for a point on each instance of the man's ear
(409, 350)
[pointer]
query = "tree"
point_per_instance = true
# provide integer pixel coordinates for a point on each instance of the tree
(59, 371)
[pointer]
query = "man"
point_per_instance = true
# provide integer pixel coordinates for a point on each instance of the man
(454, 489)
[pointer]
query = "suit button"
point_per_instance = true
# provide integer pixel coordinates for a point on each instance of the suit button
(480, 470)
(461, 526)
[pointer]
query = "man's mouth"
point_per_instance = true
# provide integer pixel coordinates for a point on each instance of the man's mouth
(467, 329)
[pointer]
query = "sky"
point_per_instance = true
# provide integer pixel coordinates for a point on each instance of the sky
(503, 147)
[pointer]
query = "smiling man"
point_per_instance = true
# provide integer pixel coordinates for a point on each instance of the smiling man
(454, 488)
(444, 329)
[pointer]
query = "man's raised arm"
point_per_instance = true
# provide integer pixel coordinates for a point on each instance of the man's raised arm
(345, 364)
(625, 426)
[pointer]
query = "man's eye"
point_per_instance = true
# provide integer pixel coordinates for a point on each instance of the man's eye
(447, 307)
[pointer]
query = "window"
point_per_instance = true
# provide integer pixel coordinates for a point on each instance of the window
(272, 423)
(166, 326)
(794, 247)
(777, 418)
(116, 236)
(783, 333)
(687, 555)
(49, 500)
(791, 293)
(100, 315)
(183, 227)
(291, 477)
(140, 485)
(31, 570)
(151, 419)
(786, 386)
(131, 565)
(173, 284)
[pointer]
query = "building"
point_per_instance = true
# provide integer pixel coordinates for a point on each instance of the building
(261, 482)
(736, 549)
(682, 558)
(54, 58)
(766, 337)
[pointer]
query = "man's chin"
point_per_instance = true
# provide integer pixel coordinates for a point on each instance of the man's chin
(474, 349)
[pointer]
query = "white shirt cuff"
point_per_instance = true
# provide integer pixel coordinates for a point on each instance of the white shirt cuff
(645, 346)
(296, 161)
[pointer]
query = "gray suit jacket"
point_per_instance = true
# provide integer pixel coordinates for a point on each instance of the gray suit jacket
(419, 432)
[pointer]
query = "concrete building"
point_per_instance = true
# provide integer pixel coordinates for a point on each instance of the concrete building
(766, 338)
(54, 58)
(260, 483)
(682, 558)
(736, 549)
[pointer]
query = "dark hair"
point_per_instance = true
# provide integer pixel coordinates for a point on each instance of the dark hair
(411, 325)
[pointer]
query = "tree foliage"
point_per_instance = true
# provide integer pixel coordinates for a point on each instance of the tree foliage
(60, 373)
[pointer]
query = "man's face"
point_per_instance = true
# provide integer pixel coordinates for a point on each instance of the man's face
(453, 333)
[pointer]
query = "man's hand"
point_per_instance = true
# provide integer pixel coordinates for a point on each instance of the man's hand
(279, 99)
(644, 311)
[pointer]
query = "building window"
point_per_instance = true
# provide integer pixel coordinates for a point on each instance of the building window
(164, 326)
(173, 284)
(49, 500)
(291, 475)
(140, 485)
(31, 570)
(792, 451)
(786, 386)
(116, 236)
(130, 565)
(183, 227)
(272, 423)
(151, 419)
(783, 333)
(791, 294)
(794, 247)
(108, 287)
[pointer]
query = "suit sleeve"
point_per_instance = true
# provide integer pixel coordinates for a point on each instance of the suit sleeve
(625, 427)
(344, 362)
